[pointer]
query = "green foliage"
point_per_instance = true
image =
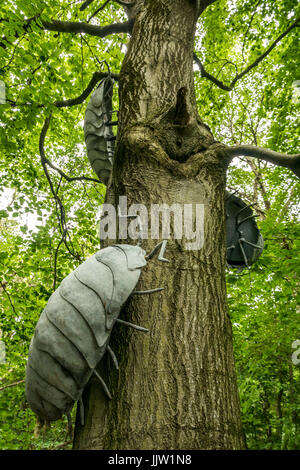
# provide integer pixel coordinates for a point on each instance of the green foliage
(264, 308)
(40, 68)
(260, 110)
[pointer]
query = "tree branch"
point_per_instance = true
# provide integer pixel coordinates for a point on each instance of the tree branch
(44, 161)
(12, 385)
(97, 76)
(64, 444)
(98, 10)
(254, 64)
(258, 182)
(3, 285)
(56, 256)
(203, 4)
(262, 56)
(68, 178)
(210, 77)
(76, 27)
(249, 26)
(288, 161)
(86, 4)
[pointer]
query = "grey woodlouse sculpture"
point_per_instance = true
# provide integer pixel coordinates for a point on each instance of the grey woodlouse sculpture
(243, 238)
(73, 331)
(98, 134)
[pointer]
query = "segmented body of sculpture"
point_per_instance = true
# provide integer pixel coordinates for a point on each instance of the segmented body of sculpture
(243, 238)
(73, 331)
(98, 134)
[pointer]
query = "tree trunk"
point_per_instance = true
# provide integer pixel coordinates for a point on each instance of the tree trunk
(176, 387)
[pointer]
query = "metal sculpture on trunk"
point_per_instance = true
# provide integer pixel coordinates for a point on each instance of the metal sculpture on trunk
(73, 331)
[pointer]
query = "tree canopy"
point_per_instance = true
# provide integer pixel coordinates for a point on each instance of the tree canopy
(52, 55)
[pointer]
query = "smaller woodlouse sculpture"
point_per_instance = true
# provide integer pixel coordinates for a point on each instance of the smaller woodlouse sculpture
(244, 240)
(73, 331)
(98, 134)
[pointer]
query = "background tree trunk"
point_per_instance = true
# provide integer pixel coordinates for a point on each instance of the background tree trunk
(176, 387)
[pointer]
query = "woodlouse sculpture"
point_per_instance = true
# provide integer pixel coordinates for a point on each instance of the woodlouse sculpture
(98, 134)
(73, 331)
(244, 241)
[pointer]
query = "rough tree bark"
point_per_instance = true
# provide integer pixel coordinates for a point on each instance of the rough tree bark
(176, 387)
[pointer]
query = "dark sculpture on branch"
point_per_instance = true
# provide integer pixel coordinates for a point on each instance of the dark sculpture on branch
(243, 238)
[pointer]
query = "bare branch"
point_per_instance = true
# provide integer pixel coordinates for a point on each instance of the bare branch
(3, 285)
(288, 161)
(203, 4)
(97, 76)
(68, 178)
(55, 257)
(64, 444)
(12, 385)
(77, 27)
(58, 202)
(74, 27)
(249, 26)
(210, 77)
(258, 182)
(254, 64)
(98, 10)
(43, 157)
(45, 161)
(125, 4)
(86, 4)
(13, 53)
(262, 56)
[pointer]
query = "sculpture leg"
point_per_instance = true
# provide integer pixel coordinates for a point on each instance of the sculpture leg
(243, 252)
(150, 291)
(132, 325)
(113, 356)
(162, 246)
(70, 429)
(81, 407)
(249, 243)
(105, 388)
